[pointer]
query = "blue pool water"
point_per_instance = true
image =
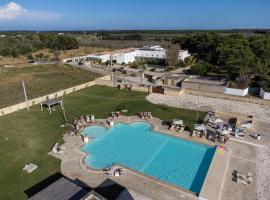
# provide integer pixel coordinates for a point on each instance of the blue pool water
(176, 161)
(94, 131)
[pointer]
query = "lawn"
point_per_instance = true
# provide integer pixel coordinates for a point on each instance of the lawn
(39, 80)
(27, 136)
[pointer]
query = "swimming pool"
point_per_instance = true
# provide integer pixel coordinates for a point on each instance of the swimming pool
(137, 146)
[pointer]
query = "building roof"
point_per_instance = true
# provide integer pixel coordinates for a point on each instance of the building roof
(62, 189)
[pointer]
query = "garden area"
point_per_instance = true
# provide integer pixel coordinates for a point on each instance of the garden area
(28, 136)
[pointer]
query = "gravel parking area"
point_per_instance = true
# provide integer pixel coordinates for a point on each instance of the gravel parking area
(207, 103)
(263, 173)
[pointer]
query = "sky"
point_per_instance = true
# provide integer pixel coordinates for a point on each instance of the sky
(133, 14)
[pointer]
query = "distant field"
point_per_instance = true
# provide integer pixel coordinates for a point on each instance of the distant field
(28, 136)
(39, 80)
(22, 61)
(119, 44)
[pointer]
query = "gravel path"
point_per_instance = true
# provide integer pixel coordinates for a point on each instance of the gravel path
(263, 173)
(207, 103)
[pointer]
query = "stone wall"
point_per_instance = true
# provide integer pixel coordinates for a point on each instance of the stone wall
(32, 102)
(264, 94)
(236, 92)
(173, 92)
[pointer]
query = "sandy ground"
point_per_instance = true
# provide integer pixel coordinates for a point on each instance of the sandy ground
(207, 103)
(263, 173)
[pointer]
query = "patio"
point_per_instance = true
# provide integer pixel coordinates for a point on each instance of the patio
(72, 166)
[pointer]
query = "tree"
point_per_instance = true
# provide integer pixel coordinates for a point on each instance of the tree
(30, 57)
(172, 55)
(235, 54)
(56, 55)
(201, 69)
(202, 44)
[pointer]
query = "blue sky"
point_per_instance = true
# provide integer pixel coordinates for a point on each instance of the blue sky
(133, 14)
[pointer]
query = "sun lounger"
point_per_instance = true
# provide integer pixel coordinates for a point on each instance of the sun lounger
(140, 114)
(58, 148)
(118, 114)
(30, 168)
(117, 172)
(87, 118)
(243, 179)
(172, 127)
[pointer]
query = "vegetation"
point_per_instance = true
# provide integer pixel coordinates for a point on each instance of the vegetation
(29, 43)
(28, 136)
(242, 56)
(172, 55)
(39, 80)
(201, 69)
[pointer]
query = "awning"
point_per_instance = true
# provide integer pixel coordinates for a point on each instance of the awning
(178, 122)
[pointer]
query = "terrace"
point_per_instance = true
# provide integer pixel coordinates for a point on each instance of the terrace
(141, 183)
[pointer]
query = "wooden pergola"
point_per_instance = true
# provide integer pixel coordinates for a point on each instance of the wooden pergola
(51, 103)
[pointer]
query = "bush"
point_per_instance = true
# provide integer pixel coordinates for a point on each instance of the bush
(201, 69)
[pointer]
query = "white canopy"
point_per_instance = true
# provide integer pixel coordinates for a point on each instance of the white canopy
(199, 127)
(223, 131)
(219, 121)
(178, 122)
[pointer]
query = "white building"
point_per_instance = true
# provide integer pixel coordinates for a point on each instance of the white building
(102, 57)
(155, 52)
(130, 55)
(125, 56)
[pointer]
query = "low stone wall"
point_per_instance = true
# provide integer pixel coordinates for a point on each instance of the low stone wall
(106, 80)
(264, 94)
(173, 92)
(236, 92)
(32, 102)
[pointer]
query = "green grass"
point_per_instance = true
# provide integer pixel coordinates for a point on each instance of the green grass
(31, 134)
(39, 80)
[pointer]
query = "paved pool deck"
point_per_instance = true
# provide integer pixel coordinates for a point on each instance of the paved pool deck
(72, 166)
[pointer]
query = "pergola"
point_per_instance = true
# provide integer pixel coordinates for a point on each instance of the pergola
(50, 103)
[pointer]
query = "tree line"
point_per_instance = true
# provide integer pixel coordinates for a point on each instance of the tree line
(28, 43)
(239, 56)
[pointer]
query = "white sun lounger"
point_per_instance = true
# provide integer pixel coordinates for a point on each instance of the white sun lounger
(30, 168)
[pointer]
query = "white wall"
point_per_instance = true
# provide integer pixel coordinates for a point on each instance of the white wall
(124, 57)
(183, 54)
(264, 94)
(129, 57)
(151, 54)
(236, 92)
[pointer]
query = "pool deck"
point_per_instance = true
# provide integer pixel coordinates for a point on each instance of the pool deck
(72, 166)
